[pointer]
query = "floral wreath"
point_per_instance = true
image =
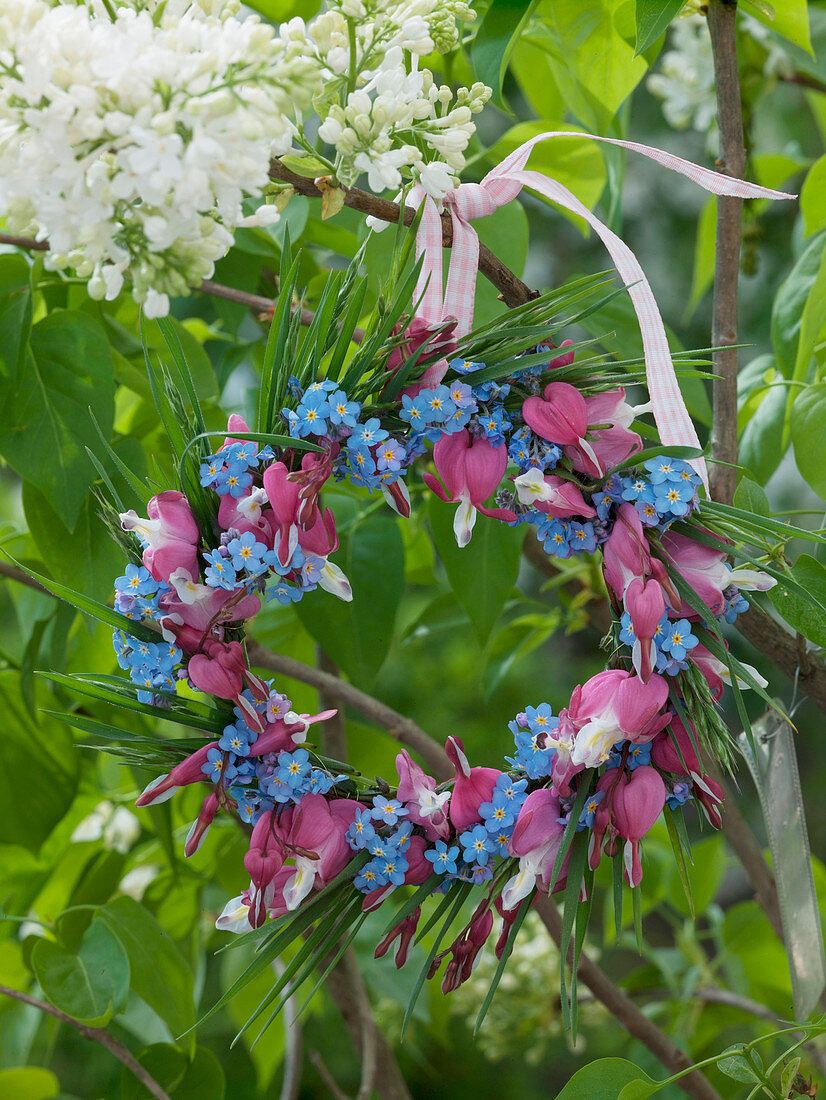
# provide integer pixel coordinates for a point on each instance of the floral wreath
(513, 427)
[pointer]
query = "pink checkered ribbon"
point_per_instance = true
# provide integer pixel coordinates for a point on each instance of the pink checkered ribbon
(502, 185)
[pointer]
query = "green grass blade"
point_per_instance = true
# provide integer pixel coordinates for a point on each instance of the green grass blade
(88, 606)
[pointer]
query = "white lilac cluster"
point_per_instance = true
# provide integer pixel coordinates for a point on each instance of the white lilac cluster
(136, 135)
(685, 82)
(132, 141)
(383, 114)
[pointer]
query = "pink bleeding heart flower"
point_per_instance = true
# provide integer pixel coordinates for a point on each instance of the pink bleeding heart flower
(552, 495)
(718, 674)
(615, 706)
(611, 445)
(560, 416)
(426, 336)
(418, 791)
(200, 827)
(235, 423)
(317, 838)
(535, 841)
(170, 535)
(246, 514)
(471, 469)
(625, 555)
(282, 493)
(705, 569)
(289, 731)
(471, 786)
(404, 932)
(188, 771)
(678, 758)
(638, 801)
(563, 360)
(221, 670)
(321, 540)
(192, 609)
(645, 603)
(263, 861)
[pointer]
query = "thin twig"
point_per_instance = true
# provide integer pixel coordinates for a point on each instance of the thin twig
(96, 1035)
(333, 732)
(327, 1077)
(722, 16)
(256, 302)
(622, 1008)
(514, 292)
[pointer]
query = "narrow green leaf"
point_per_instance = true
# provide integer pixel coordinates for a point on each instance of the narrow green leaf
(89, 606)
(461, 893)
(506, 954)
(679, 855)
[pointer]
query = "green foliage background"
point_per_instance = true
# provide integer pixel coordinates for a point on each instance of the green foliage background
(425, 643)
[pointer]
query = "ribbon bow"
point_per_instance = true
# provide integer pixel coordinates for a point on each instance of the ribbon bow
(502, 185)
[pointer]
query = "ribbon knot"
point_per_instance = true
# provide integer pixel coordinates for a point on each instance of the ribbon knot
(502, 185)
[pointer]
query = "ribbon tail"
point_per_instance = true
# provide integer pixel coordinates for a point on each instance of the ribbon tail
(461, 276)
(673, 422)
(429, 245)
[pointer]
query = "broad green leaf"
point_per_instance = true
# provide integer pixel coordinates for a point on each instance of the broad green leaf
(89, 986)
(576, 163)
(590, 43)
(281, 10)
(357, 635)
(789, 302)
(802, 614)
(203, 1080)
(790, 19)
(46, 425)
(653, 16)
(200, 1078)
(764, 412)
(483, 573)
(160, 975)
(603, 1079)
(812, 325)
(15, 314)
(813, 198)
(28, 1083)
(164, 1061)
(496, 38)
(751, 497)
(736, 1066)
(808, 428)
(87, 557)
(30, 810)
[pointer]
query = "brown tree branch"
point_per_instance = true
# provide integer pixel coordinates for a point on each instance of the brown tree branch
(401, 729)
(513, 291)
(783, 650)
(256, 302)
(12, 573)
(620, 1005)
(722, 16)
(96, 1035)
(380, 1070)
